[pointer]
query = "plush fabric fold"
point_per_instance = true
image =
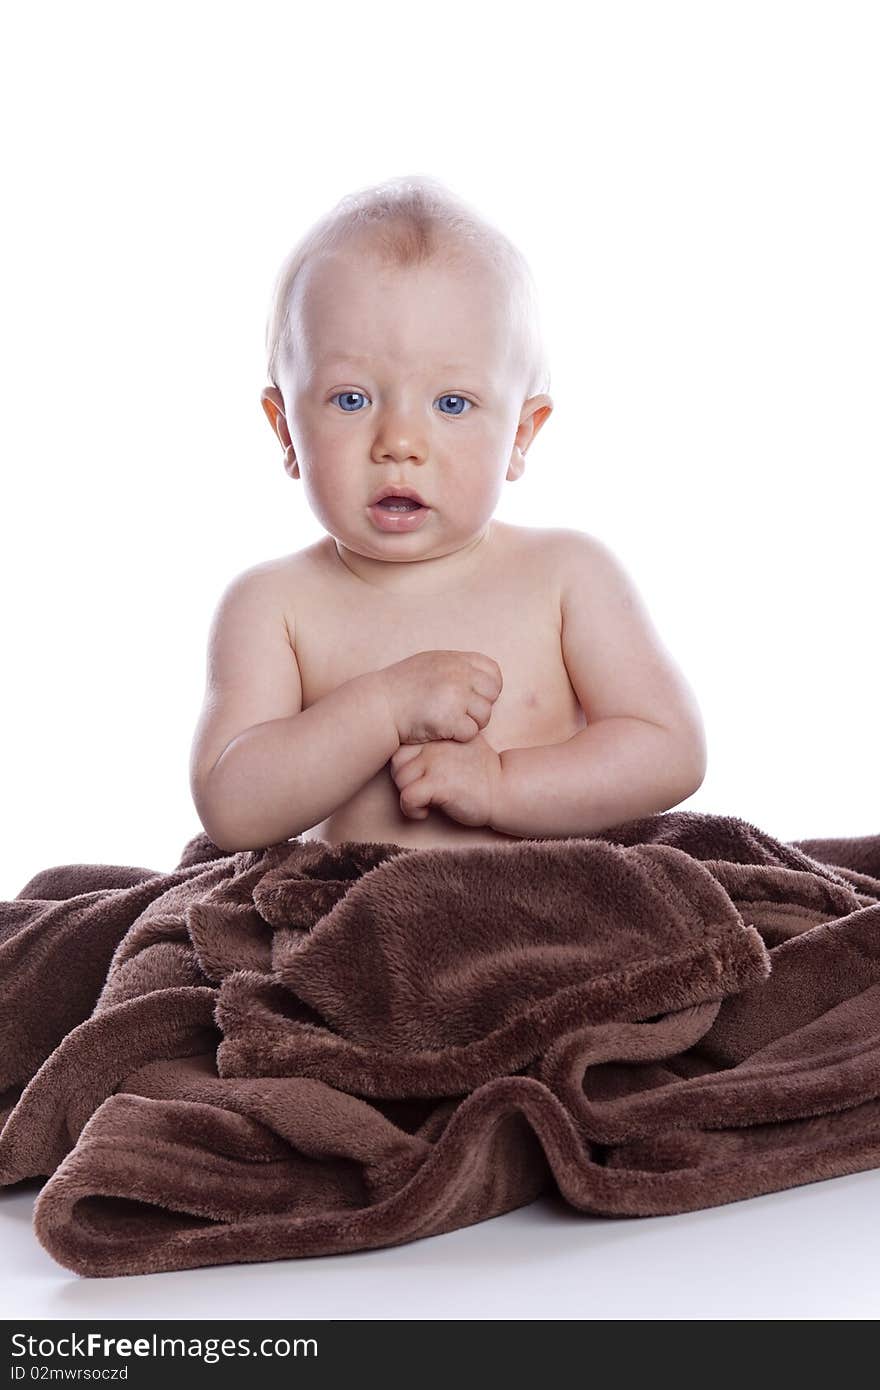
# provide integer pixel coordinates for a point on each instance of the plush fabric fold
(315, 1048)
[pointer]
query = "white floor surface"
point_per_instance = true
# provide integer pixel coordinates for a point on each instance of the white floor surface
(811, 1252)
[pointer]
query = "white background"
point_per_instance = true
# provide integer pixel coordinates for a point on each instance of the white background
(695, 187)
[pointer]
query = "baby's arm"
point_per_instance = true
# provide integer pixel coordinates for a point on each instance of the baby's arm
(643, 750)
(263, 769)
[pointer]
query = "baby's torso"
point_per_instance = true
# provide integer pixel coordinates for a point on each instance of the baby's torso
(344, 627)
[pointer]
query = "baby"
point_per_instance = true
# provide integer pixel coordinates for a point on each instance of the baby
(425, 674)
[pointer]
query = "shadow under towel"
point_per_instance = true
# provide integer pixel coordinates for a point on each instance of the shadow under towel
(315, 1048)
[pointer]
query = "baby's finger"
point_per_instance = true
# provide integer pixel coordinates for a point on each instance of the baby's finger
(412, 806)
(480, 710)
(415, 800)
(407, 773)
(490, 680)
(405, 754)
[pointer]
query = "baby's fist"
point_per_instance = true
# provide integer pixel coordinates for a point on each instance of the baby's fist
(460, 779)
(436, 695)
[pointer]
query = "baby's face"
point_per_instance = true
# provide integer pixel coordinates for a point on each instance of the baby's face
(404, 377)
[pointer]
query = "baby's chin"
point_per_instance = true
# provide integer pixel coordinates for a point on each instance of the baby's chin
(425, 542)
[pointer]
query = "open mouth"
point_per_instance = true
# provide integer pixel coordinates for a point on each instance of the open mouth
(399, 504)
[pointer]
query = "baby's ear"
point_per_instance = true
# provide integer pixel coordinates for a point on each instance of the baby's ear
(536, 412)
(272, 402)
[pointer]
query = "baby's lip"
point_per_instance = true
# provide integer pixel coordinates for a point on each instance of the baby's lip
(391, 491)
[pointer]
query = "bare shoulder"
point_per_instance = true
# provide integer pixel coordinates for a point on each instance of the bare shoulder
(545, 546)
(576, 551)
(561, 555)
(597, 589)
(526, 539)
(588, 566)
(278, 582)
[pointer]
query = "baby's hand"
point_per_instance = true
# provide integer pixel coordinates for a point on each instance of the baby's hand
(462, 779)
(441, 694)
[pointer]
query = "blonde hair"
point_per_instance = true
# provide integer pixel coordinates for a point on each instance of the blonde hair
(413, 220)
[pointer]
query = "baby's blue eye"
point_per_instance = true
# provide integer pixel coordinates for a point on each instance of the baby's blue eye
(461, 400)
(347, 395)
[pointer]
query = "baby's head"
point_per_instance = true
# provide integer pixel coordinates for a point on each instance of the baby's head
(405, 352)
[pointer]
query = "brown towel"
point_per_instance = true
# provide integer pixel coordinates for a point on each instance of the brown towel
(314, 1048)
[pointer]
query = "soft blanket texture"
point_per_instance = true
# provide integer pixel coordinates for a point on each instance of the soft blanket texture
(313, 1048)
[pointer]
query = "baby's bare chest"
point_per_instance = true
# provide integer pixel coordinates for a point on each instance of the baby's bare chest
(340, 635)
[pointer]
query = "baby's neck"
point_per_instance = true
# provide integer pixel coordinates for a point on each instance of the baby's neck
(420, 578)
